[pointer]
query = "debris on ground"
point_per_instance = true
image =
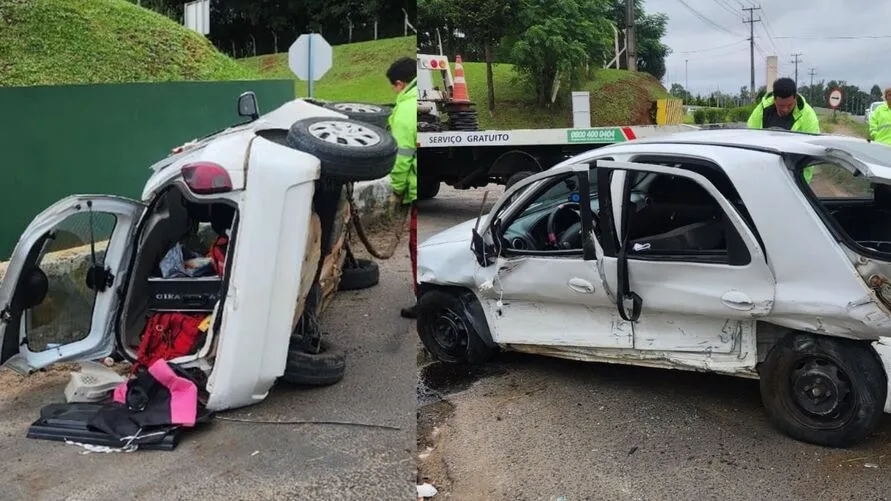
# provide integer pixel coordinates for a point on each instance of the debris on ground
(426, 490)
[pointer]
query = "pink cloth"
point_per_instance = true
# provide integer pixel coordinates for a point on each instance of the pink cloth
(183, 394)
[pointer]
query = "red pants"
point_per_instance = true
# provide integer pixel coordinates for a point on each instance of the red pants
(413, 246)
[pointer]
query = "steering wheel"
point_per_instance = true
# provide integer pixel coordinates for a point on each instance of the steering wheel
(565, 240)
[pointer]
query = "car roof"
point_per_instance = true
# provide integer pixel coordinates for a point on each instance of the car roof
(874, 159)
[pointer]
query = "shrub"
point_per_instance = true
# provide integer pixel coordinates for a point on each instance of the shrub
(716, 115)
(740, 114)
(699, 116)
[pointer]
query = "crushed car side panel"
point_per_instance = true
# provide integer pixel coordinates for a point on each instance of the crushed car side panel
(817, 289)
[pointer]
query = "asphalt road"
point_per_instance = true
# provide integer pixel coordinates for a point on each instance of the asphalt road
(535, 428)
(247, 461)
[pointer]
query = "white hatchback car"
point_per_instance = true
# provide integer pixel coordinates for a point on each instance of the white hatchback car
(702, 251)
(274, 186)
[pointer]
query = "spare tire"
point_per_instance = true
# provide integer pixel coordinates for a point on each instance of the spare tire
(373, 114)
(366, 274)
(317, 369)
(349, 150)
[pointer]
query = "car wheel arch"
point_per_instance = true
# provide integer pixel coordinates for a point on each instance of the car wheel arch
(473, 309)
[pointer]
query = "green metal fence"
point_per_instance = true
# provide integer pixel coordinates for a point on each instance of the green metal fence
(60, 140)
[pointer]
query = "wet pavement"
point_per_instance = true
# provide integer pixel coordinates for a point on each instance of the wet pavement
(257, 460)
(526, 427)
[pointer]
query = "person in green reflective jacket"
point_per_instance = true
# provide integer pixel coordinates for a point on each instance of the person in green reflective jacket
(880, 121)
(785, 108)
(403, 125)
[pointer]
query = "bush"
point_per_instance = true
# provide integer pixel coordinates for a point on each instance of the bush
(740, 114)
(716, 115)
(699, 116)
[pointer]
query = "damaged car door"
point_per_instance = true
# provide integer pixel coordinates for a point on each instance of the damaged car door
(691, 274)
(59, 293)
(544, 286)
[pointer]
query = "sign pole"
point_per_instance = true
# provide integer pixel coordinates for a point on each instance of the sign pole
(309, 64)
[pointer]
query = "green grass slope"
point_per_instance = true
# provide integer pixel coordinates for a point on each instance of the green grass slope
(52, 42)
(358, 72)
(618, 97)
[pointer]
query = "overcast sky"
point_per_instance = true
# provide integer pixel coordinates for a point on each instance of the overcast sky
(720, 60)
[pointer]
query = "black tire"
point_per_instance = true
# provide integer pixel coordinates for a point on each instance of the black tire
(833, 367)
(317, 369)
(344, 162)
(427, 187)
(517, 177)
(366, 274)
(373, 114)
(446, 332)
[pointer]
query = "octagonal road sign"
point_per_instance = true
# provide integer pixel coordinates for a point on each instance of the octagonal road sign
(835, 98)
(310, 57)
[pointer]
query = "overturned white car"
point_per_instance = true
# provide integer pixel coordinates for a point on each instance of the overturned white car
(702, 251)
(264, 199)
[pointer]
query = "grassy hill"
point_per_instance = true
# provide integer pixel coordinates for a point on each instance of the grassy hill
(51, 42)
(357, 73)
(618, 97)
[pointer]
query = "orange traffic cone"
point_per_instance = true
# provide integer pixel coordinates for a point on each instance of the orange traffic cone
(459, 92)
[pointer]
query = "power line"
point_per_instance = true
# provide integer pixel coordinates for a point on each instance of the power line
(857, 37)
(765, 24)
(707, 20)
(715, 48)
(725, 6)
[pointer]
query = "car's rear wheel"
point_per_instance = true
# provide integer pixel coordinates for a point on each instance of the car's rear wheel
(349, 150)
(823, 390)
(446, 330)
(312, 359)
(318, 369)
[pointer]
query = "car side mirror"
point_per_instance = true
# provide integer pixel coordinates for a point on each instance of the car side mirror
(247, 105)
(32, 289)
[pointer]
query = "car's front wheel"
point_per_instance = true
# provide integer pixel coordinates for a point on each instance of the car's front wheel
(823, 390)
(450, 329)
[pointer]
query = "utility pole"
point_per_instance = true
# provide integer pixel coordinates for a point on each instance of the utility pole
(751, 22)
(686, 75)
(630, 36)
(796, 61)
(810, 90)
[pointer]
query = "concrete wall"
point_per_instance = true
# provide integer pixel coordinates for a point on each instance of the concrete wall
(65, 139)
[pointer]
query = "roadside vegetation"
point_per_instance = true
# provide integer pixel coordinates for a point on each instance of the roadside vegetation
(54, 42)
(357, 73)
(617, 97)
(519, 54)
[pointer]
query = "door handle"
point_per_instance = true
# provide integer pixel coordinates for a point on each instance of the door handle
(581, 285)
(737, 300)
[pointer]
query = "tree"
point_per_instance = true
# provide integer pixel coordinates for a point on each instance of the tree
(678, 91)
(433, 15)
(485, 22)
(649, 31)
(876, 92)
(560, 37)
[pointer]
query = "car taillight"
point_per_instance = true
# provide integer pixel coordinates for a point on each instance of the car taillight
(204, 178)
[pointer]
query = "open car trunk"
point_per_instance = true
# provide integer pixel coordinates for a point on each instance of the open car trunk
(178, 268)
